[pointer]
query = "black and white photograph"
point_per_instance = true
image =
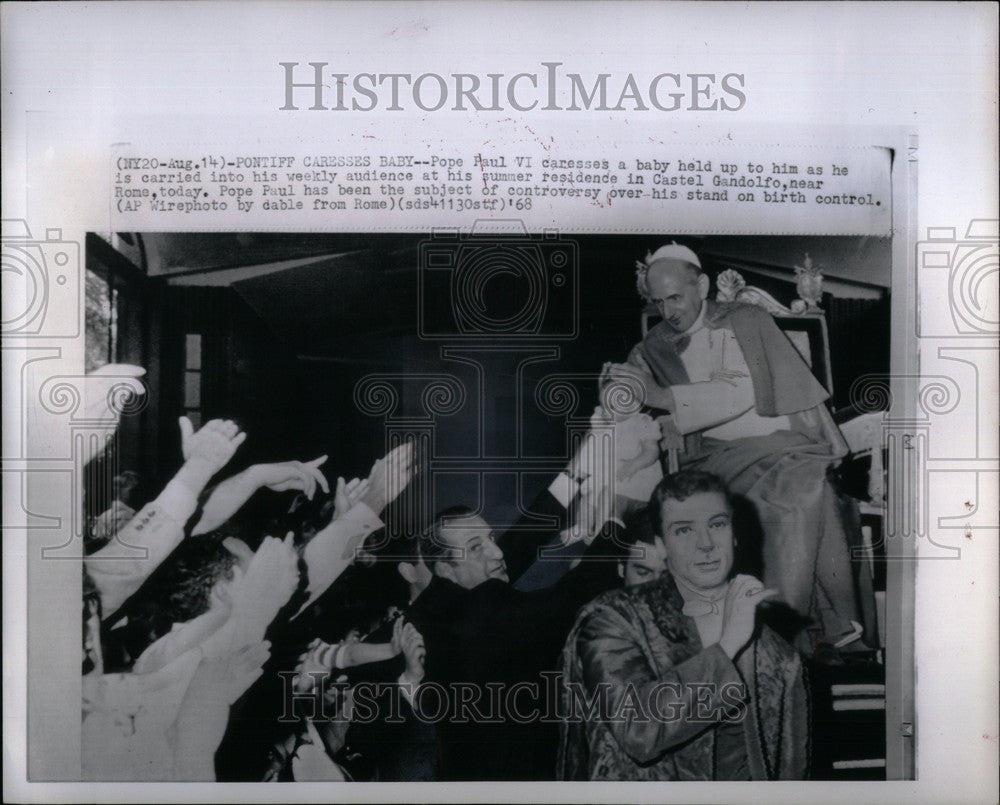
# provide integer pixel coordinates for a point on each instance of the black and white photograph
(600, 508)
(452, 402)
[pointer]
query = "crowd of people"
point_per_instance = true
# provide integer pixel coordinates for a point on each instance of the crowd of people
(606, 635)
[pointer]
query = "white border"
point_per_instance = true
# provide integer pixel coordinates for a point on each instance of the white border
(927, 66)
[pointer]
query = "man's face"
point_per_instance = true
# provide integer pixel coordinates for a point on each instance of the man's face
(698, 540)
(678, 292)
(476, 556)
(646, 564)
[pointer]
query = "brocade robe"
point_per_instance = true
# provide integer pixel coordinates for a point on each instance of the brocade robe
(633, 642)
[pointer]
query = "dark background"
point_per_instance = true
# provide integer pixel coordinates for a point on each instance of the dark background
(290, 323)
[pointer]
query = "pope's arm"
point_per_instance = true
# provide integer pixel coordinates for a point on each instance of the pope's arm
(699, 406)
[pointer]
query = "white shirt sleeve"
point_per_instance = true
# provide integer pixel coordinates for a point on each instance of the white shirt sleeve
(563, 489)
(118, 570)
(331, 551)
(181, 638)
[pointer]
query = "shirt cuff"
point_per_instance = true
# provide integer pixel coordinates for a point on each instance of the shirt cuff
(563, 489)
(362, 513)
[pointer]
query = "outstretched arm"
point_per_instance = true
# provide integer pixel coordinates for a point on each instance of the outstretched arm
(204, 711)
(333, 549)
(149, 537)
(259, 594)
(229, 496)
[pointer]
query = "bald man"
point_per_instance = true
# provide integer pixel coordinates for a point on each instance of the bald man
(725, 372)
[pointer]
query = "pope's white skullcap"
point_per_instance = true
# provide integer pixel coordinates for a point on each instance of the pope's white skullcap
(674, 251)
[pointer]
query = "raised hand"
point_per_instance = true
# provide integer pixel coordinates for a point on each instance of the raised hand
(264, 589)
(229, 496)
(209, 449)
(595, 506)
(298, 475)
(411, 643)
(347, 494)
(389, 477)
(739, 612)
(396, 641)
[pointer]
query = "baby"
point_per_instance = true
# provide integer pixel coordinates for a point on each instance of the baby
(636, 451)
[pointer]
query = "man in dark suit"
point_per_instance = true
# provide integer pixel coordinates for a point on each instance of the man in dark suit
(400, 744)
(492, 649)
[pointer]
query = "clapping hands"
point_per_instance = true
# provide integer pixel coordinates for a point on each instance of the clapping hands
(406, 639)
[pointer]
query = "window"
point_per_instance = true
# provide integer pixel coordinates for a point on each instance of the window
(192, 378)
(101, 312)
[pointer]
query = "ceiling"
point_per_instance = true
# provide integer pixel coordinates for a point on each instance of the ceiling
(331, 294)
